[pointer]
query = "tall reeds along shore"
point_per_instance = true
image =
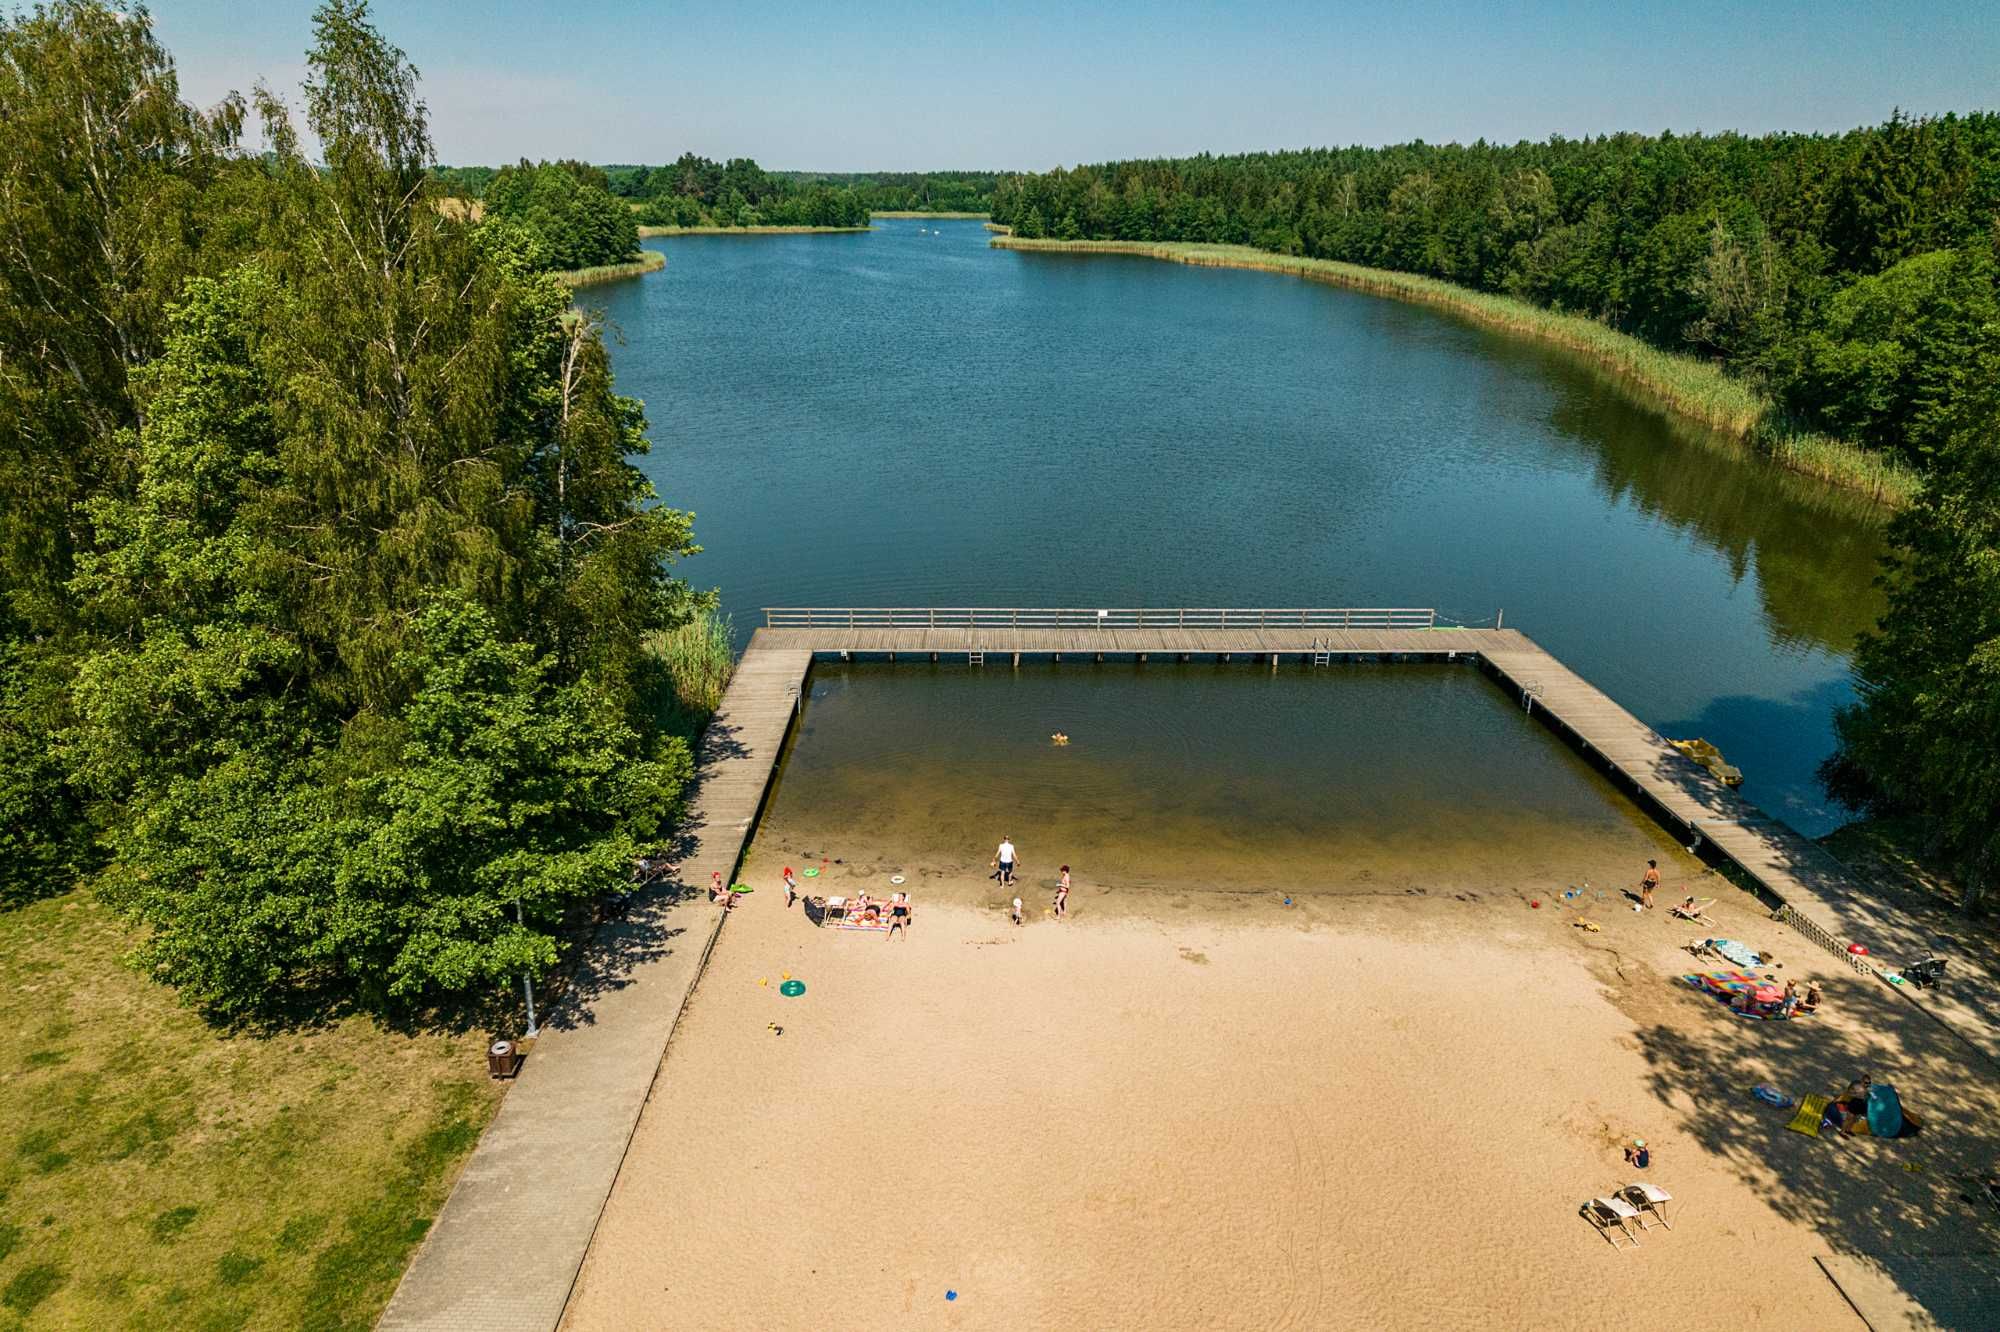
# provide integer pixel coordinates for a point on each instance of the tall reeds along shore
(750, 231)
(1685, 385)
(698, 659)
(647, 261)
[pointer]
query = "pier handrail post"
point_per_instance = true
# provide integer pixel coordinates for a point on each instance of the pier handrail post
(1500, 620)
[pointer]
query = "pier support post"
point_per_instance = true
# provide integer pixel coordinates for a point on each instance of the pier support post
(1274, 661)
(1017, 661)
(844, 656)
(1142, 658)
(933, 656)
(1100, 657)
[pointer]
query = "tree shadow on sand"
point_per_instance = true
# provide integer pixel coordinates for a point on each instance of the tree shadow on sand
(1868, 1199)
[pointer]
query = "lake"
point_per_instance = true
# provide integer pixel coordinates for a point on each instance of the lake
(908, 417)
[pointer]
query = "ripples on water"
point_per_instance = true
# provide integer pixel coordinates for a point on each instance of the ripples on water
(904, 418)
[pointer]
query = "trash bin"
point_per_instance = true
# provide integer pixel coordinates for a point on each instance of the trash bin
(502, 1060)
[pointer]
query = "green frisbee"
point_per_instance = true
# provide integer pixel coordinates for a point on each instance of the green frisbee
(792, 989)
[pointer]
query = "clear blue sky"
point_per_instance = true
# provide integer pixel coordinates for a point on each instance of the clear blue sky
(1032, 84)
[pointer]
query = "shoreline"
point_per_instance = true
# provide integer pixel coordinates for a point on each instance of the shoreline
(917, 212)
(648, 261)
(1682, 385)
(646, 232)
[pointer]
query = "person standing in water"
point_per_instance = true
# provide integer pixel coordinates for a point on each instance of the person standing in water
(1062, 893)
(1004, 861)
(1648, 883)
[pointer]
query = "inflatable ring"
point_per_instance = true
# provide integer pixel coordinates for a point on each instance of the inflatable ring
(895, 878)
(812, 874)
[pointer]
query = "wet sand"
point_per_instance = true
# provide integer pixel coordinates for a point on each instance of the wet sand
(1352, 1112)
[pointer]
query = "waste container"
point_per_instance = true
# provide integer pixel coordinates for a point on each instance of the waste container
(502, 1060)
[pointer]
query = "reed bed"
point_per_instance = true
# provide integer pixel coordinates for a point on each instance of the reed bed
(648, 261)
(1684, 385)
(698, 658)
(750, 231)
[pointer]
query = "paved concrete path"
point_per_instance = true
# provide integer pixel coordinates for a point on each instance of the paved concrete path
(505, 1250)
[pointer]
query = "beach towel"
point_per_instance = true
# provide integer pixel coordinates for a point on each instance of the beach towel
(1812, 1111)
(1742, 954)
(1726, 985)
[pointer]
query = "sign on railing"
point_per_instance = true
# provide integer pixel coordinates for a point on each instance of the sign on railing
(1070, 617)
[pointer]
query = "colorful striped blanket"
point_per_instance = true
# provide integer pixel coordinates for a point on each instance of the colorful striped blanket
(1726, 985)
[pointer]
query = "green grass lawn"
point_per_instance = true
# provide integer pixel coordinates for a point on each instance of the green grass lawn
(155, 1172)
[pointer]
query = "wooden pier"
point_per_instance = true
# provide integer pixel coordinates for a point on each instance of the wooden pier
(1791, 872)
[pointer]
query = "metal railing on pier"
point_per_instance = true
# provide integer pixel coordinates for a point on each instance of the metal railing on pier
(1073, 617)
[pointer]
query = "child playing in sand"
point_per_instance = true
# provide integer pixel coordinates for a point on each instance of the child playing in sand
(1638, 1155)
(791, 887)
(1017, 911)
(1062, 893)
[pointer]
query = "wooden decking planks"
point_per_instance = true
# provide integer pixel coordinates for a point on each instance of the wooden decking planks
(506, 1248)
(1127, 642)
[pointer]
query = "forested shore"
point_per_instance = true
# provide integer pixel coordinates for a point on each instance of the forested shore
(1697, 390)
(340, 639)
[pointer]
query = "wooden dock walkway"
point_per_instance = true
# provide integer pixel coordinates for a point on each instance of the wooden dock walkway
(505, 1250)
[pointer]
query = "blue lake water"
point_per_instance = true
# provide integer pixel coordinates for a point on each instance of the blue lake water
(908, 417)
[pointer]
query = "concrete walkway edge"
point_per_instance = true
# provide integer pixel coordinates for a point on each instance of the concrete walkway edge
(505, 1250)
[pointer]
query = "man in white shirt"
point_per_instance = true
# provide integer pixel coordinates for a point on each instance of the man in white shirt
(1005, 860)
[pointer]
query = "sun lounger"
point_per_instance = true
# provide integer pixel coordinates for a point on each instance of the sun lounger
(1811, 1111)
(1696, 911)
(1651, 1201)
(1614, 1219)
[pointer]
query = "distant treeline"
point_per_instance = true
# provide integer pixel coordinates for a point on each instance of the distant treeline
(695, 191)
(1847, 274)
(564, 213)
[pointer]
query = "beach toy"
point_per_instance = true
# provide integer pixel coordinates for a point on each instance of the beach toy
(1859, 950)
(1536, 903)
(1288, 901)
(741, 888)
(895, 878)
(812, 874)
(785, 975)
(763, 980)
(1771, 1096)
(1638, 907)
(951, 1294)
(792, 989)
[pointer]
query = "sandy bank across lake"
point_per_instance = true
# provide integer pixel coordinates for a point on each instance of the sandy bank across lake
(1350, 1113)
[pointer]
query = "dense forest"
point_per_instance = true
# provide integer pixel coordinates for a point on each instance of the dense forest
(695, 191)
(1853, 277)
(332, 599)
(565, 213)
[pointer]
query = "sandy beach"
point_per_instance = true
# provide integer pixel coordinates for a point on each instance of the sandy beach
(1353, 1112)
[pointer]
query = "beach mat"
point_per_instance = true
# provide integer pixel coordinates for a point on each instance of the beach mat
(1811, 1111)
(1723, 986)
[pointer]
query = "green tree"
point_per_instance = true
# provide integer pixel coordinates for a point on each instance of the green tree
(1925, 737)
